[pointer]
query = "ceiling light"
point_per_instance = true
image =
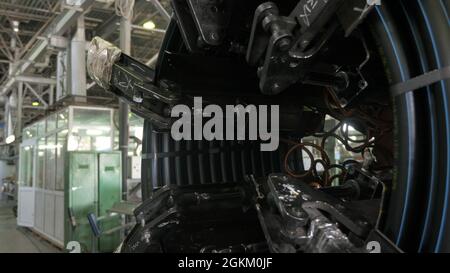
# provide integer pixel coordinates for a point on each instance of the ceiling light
(149, 25)
(10, 139)
(35, 103)
(94, 132)
(15, 25)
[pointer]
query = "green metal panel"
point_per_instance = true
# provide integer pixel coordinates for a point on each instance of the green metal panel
(93, 185)
(81, 188)
(109, 192)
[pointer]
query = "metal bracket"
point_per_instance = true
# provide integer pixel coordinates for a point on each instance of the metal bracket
(312, 15)
(211, 18)
(293, 197)
(292, 44)
(132, 81)
(267, 19)
(288, 57)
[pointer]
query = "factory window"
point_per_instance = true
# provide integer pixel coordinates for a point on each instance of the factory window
(61, 148)
(30, 132)
(40, 176)
(50, 163)
(41, 128)
(136, 129)
(26, 166)
(51, 123)
(91, 130)
(63, 119)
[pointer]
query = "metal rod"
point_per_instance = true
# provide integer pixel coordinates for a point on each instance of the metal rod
(18, 129)
(36, 94)
(125, 45)
(36, 80)
(153, 60)
(161, 10)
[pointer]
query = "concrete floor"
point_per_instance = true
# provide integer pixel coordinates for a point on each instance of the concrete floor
(14, 239)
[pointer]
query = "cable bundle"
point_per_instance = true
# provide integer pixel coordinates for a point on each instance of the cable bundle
(124, 8)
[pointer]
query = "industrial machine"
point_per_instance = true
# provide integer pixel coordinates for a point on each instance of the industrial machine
(377, 67)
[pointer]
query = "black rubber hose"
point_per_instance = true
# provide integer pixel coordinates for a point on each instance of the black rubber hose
(418, 208)
(438, 28)
(405, 124)
(428, 192)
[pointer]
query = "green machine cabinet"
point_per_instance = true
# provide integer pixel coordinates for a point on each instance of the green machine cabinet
(93, 185)
(109, 193)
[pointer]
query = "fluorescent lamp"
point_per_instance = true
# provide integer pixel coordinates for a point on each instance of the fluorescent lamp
(149, 25)
(94, 132)
(10, 139)
(15, 26)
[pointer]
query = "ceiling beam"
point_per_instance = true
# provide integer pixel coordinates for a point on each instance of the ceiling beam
(164, 13)
(111, 25)
(36, 80)
(59, 26)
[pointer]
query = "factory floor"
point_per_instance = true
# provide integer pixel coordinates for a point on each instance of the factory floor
(14, 239)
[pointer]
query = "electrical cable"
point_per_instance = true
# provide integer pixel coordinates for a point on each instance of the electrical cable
(124, 8)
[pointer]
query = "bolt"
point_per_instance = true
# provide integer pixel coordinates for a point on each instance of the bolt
(351, 171)
(214, 36)
(293, 64)
(259, 71)
(137, 98)
(284, 44)
(306, 197)
(200, 42)
(363, 223)
(165, 85)
(167, 111)
(215, 9)
(297, 212)
(276, 88)
(147, 236)
(362, 84)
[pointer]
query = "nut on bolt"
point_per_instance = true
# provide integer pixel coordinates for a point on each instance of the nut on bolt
(284, 44)
(147, 236)
(276, 88)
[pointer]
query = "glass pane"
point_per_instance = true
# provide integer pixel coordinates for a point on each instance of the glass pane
(40, 164)
(51, 123)
(61, 149)
(50, 163)
(63, 119)
(91, 130)
(30, 132)
(41, 128)
(136, 125)
(92, 118)
(116, 145)
(26, 166)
